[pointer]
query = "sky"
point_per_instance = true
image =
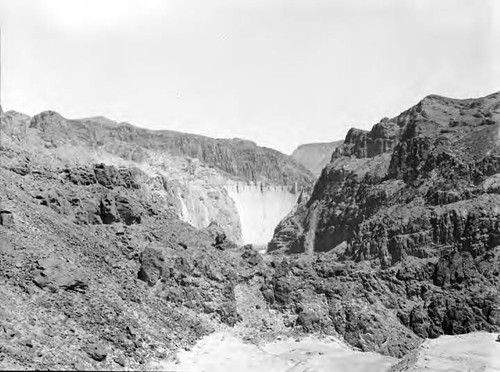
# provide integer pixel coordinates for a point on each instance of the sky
(277, 72)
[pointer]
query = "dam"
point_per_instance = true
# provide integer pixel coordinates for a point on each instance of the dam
(260, 208)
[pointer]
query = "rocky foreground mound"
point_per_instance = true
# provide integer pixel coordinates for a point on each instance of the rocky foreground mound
(407, 216)
(95, 275)
(98, 270)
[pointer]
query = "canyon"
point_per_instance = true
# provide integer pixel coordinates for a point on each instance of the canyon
(204, 180)
(121, 246)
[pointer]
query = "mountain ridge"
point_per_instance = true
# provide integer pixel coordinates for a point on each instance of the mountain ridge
(407, 214)
(238, 157)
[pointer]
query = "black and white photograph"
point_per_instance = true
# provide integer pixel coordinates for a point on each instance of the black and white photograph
(250, 185)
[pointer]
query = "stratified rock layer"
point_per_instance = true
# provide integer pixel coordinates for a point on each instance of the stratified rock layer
(409, 215)
(240, 158)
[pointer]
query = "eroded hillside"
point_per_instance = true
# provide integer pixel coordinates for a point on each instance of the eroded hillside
(116, 243)
(409, 213)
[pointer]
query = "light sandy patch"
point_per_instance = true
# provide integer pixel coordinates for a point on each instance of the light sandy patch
(469, 352)
(223, 352)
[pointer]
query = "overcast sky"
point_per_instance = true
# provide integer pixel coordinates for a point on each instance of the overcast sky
(278, 72)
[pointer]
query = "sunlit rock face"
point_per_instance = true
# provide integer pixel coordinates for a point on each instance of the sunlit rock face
(261, 207)
(202, 203)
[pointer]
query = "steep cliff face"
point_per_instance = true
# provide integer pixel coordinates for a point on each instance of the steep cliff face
(314, 156)
(261, 207)
(185, 172)
(408, 214)
(239, 158)
(430, 162)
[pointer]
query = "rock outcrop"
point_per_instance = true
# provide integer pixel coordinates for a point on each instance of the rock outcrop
(96, 274)
(419, 175)
(409, 215)
(117, 243)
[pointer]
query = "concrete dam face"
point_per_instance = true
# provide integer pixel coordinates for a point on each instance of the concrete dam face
(260, 208)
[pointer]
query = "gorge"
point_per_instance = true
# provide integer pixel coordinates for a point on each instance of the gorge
(121, 246)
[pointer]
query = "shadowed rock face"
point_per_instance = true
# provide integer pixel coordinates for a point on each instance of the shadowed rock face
(408, 215)
(414, 182)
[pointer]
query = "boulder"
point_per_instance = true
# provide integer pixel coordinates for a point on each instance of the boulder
(108, 210)
(55, 273)
(109, 176)
(119, 209)
(80, 176)
(251, 256)
(309, 320)
(128, 212)
(152, 265)
(96, 351)
(217, 234)
(105, 175)
(6, 219)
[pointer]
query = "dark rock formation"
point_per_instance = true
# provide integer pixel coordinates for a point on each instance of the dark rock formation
(108, 210)
(414, 172)
(96, 352)
(409, 213)
(85, 294)
(118, 208)
(152, 265)
(110, 176)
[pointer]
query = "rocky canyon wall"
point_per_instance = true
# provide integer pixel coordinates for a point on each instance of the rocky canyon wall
(402, 230)
(202, 180)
